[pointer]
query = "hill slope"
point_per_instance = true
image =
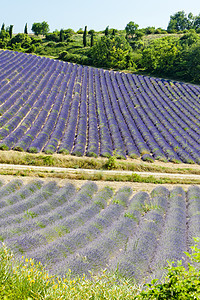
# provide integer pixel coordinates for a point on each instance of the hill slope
(54, 106)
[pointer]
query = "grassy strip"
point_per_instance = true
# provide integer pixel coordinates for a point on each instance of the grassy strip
(27, 280)
(100, 176)
(69, 161)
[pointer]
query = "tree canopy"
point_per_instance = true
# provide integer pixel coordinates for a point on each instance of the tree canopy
(131, 28)
(112, 52)
(40, 28)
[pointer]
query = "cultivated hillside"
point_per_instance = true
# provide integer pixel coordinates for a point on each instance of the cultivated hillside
(53, 106)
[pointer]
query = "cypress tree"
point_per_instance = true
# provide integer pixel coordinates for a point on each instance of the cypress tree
(11, 31)
(3, 27)
(107, 30)
(113, 32)
(85, 37)
(62, 37)
(26, 29)
(92, 39)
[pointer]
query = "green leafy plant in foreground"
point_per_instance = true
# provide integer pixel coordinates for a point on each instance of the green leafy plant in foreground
(26, 279)
(180, 283)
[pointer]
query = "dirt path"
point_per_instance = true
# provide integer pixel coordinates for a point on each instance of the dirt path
(136, 186)
(93, 171)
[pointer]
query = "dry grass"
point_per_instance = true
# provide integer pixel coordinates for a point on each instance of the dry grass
(68, 161)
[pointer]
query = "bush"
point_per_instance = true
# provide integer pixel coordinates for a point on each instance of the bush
(23, 39)
(180, 283)
(80, 31)
(53, 37)
(74, 58)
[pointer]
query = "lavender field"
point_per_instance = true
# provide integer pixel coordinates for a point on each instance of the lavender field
(54, 106)
(93, 229)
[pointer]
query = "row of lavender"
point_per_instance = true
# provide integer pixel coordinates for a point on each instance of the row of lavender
(53, 106)
(89, 229)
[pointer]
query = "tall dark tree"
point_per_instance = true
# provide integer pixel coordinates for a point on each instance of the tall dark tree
(3, 27)
(85, 37)
(92, 40)
(26, 29)
(11, 31)
(107, 30)
(113, 32)
(62, 36)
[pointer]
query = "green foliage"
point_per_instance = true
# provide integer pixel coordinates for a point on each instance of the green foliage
(149, 30)
(111, 163)
(180, 283)
(11, 31)
(112, 52)
(80, 31)
(40, 28)
(160, 55)
(85, 37)
(178, 22)
(54, 37)
(92, 40)
(21, 38)
(3, 27)
(62, 37)
(131, 28)
(107, 31)
(26, 29)
(4, 38)
(26, 279)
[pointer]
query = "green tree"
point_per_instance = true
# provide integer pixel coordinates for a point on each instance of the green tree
(11, 31)
(62, 36)
(160, 55)
(131, 28)
(85, 37)
(112, 52)
(3, 27)
(107, 31)
(197, 22)
(92, 40)
(26, 29)
(23, 39)
(178, 22)
(113, 31)
(4, 39)
(40, 28)
(192, 65)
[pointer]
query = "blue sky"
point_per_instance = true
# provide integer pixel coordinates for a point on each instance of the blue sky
(96, 15)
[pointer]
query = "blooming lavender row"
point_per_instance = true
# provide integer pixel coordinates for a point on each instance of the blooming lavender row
(135, 260)
(173, 241)
(46, 206)
(31, 98)
(22, 209)
(16, 202)
(9, 188)
(89, 229)
(99, 253)
(34, 238)
(54, 106)
(193, 198)
(68, 246)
